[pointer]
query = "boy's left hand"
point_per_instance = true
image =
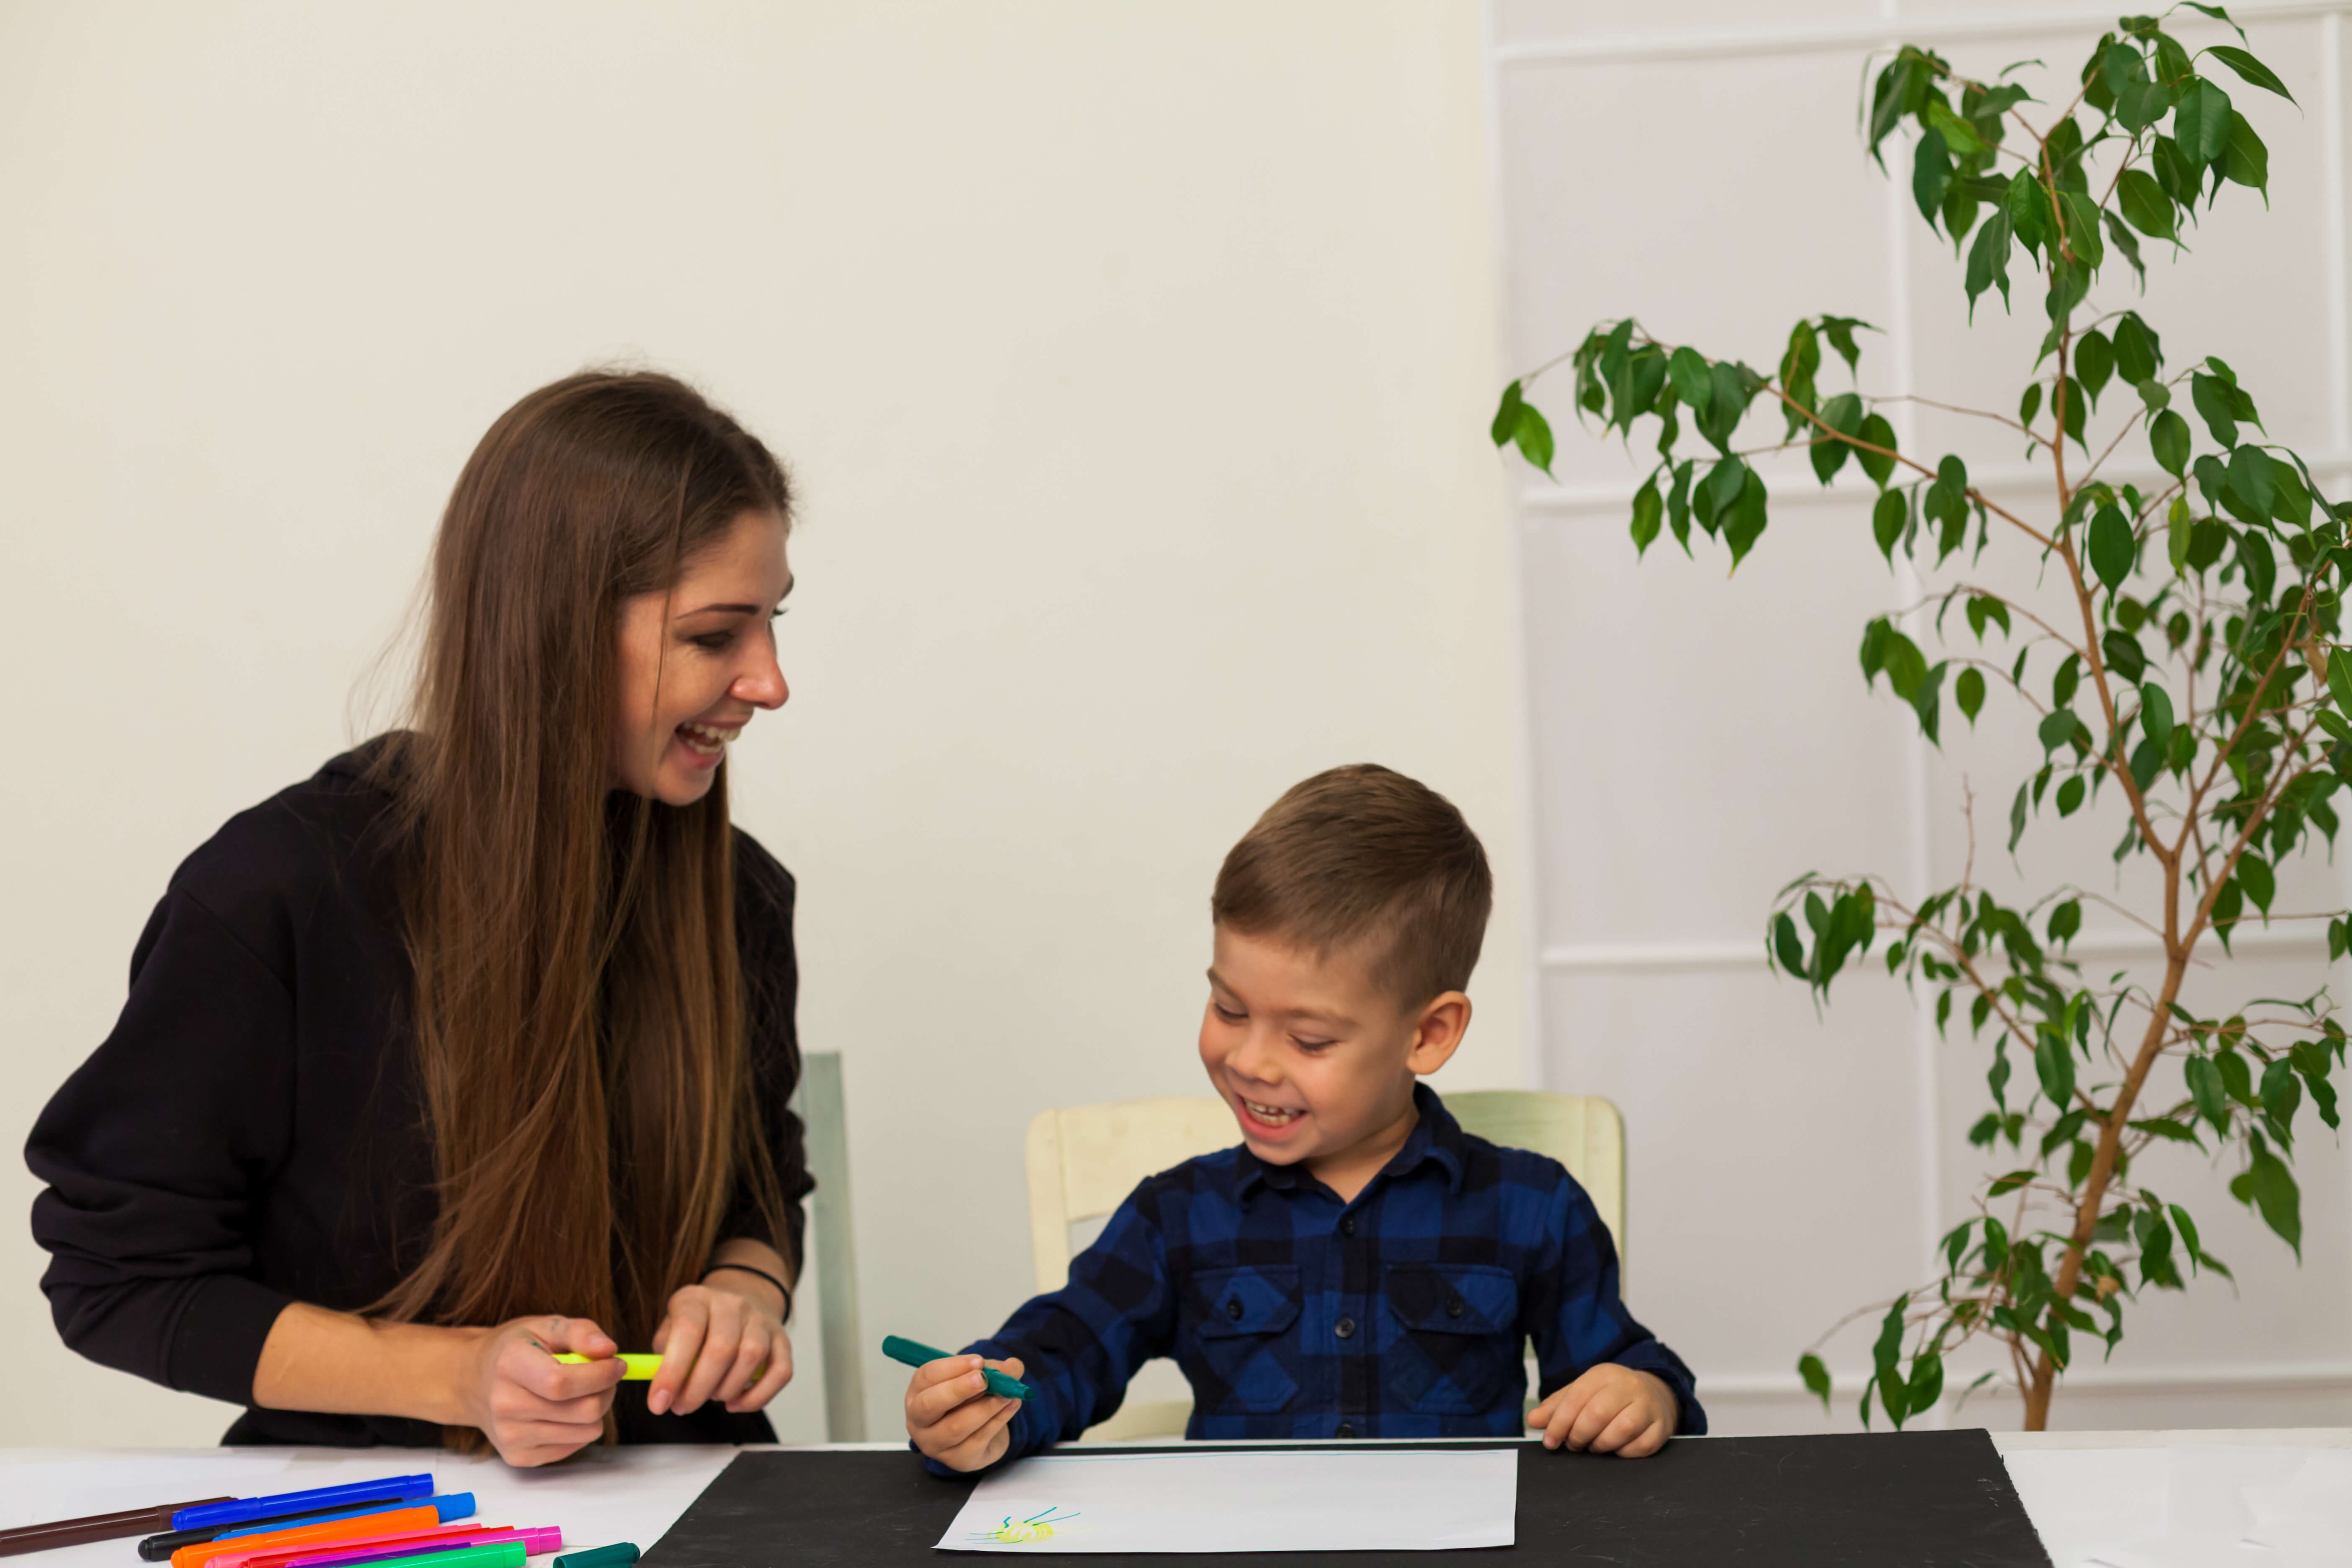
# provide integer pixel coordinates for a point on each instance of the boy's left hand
(1611, 1409)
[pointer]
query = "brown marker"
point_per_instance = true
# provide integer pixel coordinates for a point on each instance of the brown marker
(96, 1527)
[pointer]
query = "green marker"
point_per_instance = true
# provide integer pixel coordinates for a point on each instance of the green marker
(639, 1368)
(615, 1556)
(497, 1554)
(910, 1354)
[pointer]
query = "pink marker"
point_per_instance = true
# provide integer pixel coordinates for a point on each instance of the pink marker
(276, 1555)
(536, 1540)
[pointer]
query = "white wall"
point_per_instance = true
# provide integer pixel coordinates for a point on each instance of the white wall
(1133, 362)
(1698, 742)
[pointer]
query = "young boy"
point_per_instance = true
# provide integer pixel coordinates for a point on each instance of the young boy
(1360, 1266)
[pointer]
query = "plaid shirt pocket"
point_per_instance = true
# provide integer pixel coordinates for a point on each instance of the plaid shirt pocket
(1455, 1336)
(1243, 1341)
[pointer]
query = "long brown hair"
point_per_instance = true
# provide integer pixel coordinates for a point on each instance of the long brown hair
(579, 1009)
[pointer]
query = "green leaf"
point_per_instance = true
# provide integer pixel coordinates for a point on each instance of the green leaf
(1886, 520)
(1694, 382)
(2167, 438)
(2205, 1088)
(2110, 546)
(1649, 512)
(2054, 1062)
(2247, 162)
(1927, 1383)
(2145, 205)
(1533, 435)
(2255, 876)
(2250, 479)
(2063, 679)
(1969, 692)
(1816, 1376)
(1876, 432)
(1988, 262)
(1960, 136)
(2339, 678)
(1745, 525)
(2070, 794)
(2006, 1185)
(1506, 416)
(1841, 413)
(2123, 655)
(2030, 404)
(2212, 395)
(2136, 353)
(1931, 174)
(2066, 920)
(2269, 1186)
(2082, 230)
(1786, 949)
(2200, 125)
(2156, 713)
(2252, 69)
(2094, 360)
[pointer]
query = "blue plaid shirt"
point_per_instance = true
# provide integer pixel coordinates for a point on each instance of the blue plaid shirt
(1293, 1315)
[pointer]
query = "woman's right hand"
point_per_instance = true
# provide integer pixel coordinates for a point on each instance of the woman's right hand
(533, 1408)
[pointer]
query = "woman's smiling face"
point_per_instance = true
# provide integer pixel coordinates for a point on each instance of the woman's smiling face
(697, 661)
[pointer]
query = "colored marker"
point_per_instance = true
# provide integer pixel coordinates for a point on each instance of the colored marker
(508, 1553)
(94, 1527)
(275, 1553)
(620, 1554)
(247, 1510)
(908, 1352)
(636, 1368)
(450, 1506)
(399, 1521)
(536, 1540)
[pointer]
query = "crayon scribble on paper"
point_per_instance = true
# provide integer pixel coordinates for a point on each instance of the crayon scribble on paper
(1036, 1526)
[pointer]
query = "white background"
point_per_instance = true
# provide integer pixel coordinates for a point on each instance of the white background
(1134, 363)
(1700, 741)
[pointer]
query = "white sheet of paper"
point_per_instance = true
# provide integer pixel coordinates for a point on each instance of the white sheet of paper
(1352, 1500)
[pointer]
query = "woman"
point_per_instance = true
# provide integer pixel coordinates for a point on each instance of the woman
(475, 1047)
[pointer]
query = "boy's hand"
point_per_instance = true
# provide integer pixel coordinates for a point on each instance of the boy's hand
(1611, 1409)
(952, 1415)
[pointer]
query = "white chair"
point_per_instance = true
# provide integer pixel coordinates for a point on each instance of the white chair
(1084, 1160)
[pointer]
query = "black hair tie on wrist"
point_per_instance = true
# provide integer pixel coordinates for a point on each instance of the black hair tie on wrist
(782, 1288)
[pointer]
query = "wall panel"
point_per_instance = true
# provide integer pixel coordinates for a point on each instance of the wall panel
(1696, 741)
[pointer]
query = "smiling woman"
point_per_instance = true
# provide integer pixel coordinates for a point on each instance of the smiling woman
(477, 1043)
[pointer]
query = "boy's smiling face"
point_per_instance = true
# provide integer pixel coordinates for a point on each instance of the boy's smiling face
(1317, 1060)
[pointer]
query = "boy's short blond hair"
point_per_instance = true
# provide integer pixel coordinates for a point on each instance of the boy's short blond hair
(1364, 858)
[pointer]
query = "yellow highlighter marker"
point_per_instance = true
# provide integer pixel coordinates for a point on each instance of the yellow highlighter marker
(638, 1368)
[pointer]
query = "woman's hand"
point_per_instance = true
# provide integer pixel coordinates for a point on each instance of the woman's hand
(723, 1339)
(533, 1408)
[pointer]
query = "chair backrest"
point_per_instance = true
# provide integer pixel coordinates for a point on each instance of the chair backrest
(1084, 1160)
(822, 1103)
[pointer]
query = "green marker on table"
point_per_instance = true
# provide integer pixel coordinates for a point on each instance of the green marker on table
(619, 1555)
(908, 1352)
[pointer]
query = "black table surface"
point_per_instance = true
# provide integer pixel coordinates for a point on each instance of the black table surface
(1910, 1499)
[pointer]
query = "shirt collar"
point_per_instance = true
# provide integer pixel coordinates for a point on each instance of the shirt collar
(1436, 1138)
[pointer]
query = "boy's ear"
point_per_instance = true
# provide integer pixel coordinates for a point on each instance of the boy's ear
(1444, 1019)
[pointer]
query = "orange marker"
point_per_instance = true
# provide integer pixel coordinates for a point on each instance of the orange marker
(399, 1521)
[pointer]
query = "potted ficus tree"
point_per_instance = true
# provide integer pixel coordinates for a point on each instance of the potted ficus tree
(2178, 661)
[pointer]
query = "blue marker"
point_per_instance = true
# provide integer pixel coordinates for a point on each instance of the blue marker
(450, 1505)
(246, 1511)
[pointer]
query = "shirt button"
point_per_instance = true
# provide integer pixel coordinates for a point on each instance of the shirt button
(1347, 1225)
(1347, 1430)
(1455, 1307)
(1234, 1309)
(1345, 1328)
